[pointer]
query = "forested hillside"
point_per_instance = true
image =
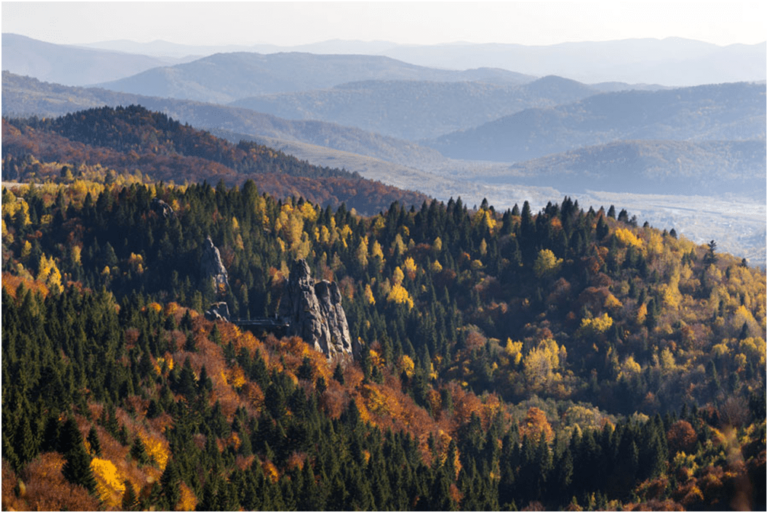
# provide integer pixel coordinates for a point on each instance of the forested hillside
(413, 110)
(507, 355)
(27, 97)
(709, 168)
(132, 141)
(226, 77)
(718, 112)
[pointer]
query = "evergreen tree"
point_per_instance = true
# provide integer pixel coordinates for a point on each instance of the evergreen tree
(77, 468)
(170, 485)
(94, 442)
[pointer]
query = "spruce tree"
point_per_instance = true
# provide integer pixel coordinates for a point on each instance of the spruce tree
(170, 482)
(77, 468)
(94, 442)
(130, 501)
(139, 452)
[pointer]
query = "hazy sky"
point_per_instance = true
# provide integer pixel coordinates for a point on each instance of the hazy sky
(531, 22)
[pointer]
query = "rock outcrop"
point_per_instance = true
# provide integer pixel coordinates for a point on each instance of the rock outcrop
(315, 313)
(218, 312)
(163, 208)
(211, 267)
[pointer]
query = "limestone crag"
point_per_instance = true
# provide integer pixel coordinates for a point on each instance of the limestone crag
(211, 267)
(315, 313)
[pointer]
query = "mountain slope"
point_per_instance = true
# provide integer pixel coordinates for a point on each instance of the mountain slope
(713, 112)
(417, 110)
(23, 96)
(710, 168)
(71, 65)
(133, 139)
(223, 78)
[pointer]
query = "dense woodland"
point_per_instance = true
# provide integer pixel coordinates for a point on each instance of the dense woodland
(507, 355)
(135, 143)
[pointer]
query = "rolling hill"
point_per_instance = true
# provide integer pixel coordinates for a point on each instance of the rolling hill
(650, 167)
(24, 96)
(226, 77)
(712, 112)
(72, 65)
(417, 110)
(134, 141)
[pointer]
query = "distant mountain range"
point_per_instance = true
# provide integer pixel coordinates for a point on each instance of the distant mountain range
(70, 65)
(712, 112)
(663, 136)
(671, 61)
(24, 96)
(416, 109)
(223, 78)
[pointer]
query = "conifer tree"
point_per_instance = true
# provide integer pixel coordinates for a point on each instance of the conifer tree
(94, 442)
(77, 468)
(130, 501)
(170, 485)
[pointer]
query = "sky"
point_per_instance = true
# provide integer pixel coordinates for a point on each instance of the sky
(528, 22)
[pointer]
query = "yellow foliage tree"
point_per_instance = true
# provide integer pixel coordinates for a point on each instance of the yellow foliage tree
(514, 350)
(642, 313)
(406, 365)
(26, 250)
(399, 295)
(630, 367)
(308, 212)
(188, 501)
(596, 325)
(410, 267)
(612, 302)
(7, 237)
(546, 263)
(156, 448)
(362, 252)
(397, 276)
(368, 294)
(109, 482)
(376, 250)
(626, 238)
(541, 362)
(398, 245)
(49, 273)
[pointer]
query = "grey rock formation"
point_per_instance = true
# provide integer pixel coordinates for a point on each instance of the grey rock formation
(315, 313)
(211, 267)
(218, 312)
(163, 208)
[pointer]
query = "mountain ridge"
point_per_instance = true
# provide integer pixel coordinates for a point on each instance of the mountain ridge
(733, 111)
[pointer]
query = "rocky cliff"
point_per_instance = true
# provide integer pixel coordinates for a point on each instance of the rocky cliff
(315, 313)
(211, 267)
